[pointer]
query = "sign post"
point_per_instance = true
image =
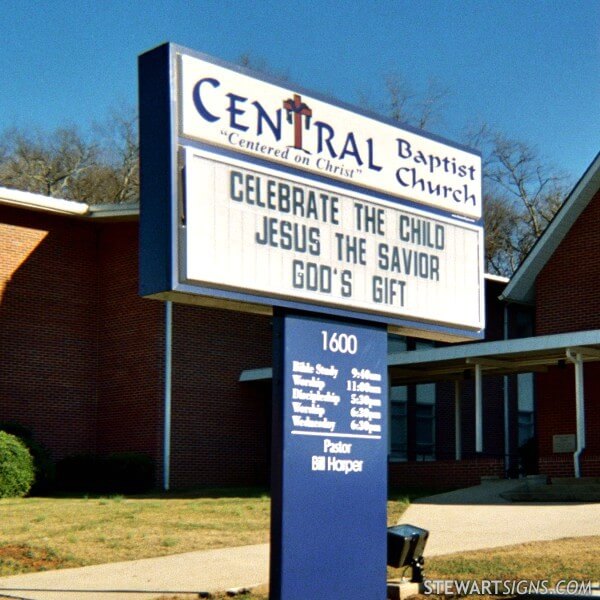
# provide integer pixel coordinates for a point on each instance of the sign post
(343, 226)
(329, 466)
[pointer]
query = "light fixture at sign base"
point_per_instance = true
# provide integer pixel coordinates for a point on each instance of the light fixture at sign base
(405, 547)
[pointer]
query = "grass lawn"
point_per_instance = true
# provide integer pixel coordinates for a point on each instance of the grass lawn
(50, 533)
(569, 558)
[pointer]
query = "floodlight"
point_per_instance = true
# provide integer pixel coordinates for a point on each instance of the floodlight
(405, 546)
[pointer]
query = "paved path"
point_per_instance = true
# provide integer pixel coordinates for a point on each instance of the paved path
(466, 519)
(477, 517)
(193, 572)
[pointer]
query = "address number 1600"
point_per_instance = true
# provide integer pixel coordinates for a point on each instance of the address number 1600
(344, 343)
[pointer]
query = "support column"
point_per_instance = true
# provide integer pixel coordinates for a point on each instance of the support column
(506, 411)
(577, 360)
(167, 396)
(478, 409)
(457, 419)
(329, 473)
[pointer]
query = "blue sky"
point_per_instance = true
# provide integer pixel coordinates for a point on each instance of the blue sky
(531, 69)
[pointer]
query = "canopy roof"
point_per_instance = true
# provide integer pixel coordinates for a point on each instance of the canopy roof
(496, 358)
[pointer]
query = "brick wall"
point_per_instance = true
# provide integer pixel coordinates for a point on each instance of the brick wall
(568, 299)
(48, 328)
(444, 474)
(561, 465)
(131, 350)
(555, 406)
(80, 351)
(82, 356)
(568, 288)
(220, 427)
(556, 415)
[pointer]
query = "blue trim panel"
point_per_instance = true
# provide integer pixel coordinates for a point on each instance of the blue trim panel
(156, 170)
(277, 446)
(261, 162)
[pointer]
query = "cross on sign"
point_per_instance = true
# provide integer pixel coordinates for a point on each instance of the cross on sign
(299, 109)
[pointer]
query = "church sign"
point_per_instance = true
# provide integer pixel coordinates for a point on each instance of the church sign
(259, 196)
(276, 196)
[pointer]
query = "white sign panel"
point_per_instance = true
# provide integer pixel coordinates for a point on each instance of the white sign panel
(250, 229)
(226, 108)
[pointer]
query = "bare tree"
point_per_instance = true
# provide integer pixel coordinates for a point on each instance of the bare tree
(45, 164)
(522, 192)
(260, 65)
(500, 220)
(65, 164)
(522, 195)
(117, 178)
(403, 104)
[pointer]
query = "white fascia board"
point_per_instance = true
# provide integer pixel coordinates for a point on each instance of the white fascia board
(263, 374)
(38, 202)
(576, 339)
(499, 348)
(32, 201)
(521, 286)
(114, 211)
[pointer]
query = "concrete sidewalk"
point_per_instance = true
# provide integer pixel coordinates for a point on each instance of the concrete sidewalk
(147, 578)
(478, 517)
(468, 519)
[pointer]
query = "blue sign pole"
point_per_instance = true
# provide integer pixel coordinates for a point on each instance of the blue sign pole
(329, 465)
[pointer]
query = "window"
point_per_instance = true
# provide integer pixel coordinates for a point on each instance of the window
(398, 406)
(413, 404)
(425, 422)
(425, 417)
(396, 343)
(523, 322)
(525, 407)
(398, 422)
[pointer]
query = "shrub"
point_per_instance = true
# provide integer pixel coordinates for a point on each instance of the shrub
(129, 473)
(17, 472)
(45, 470)
(77, 473)
(119, 473)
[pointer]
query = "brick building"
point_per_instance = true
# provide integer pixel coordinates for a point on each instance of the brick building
(90, 366)
(560, 280)
(539, 378)
(83, 357)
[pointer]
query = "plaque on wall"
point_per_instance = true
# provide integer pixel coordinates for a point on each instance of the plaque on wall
(564, 443)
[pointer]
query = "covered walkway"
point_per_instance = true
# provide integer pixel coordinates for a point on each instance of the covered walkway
(473, 361)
